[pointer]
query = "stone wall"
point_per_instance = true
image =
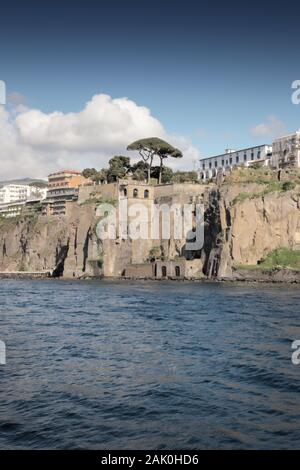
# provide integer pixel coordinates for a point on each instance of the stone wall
(139, 271)
(109, 191)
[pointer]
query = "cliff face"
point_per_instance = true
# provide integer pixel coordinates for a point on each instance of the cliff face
(66, 245)
(242, 224)
(62, 244)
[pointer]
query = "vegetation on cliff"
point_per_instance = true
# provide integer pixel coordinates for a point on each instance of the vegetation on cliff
(120, 167)
(156, 253)
(96, 198)
(271, 187)
(261, 175)
(269, 180)
(276, 259)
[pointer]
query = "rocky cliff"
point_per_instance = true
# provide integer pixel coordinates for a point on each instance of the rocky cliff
(243, 223)
(63, 245)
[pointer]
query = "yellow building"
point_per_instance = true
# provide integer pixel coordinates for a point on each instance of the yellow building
(63, 187)
(67, 179)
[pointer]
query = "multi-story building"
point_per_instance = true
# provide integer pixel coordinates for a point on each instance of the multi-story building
(36, 192)
(13, 193)
(209, 167)
(66, 179)
(62, 188)
(15, 209)
(286, 151)
(18, 193)
(11, 209)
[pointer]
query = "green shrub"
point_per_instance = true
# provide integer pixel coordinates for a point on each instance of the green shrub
(155, 253)
(280, 258)
(98, 199)
(288, 185)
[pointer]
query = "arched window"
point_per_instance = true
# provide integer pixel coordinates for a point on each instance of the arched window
(177, 271)
(164, 271)
(146, 194)
(125, 192)
(135, 193)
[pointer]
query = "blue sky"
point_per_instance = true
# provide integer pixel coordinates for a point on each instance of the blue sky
(208, 72)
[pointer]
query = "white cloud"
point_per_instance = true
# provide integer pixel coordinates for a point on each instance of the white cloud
(273, 127)
(34, 143)
(191, 154)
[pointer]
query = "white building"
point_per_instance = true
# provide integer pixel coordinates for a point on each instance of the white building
(286, 151)
(209, 167)
(11, 209)
(37, 193)
(17, 193)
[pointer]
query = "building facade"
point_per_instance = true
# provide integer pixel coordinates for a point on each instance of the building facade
(286, 151)
(17, 193)
(209, 167)
(13, 193)
(63, 187)
(169, 269)
(57, 199)
(11, 209)
(67, 179)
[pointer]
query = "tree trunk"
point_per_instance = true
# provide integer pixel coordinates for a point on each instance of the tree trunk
(149, 169)
(160, 170)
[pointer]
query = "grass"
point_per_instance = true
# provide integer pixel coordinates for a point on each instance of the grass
(260, 175)
(251, 175)
(280, 258)
(99, 200)
(273, 186)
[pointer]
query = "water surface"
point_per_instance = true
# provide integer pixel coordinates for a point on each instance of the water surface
(148, 365)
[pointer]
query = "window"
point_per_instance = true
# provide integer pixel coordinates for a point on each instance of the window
(125, 192)
(237, 159)
(258, 154)
(209, 164)
(177, 271)
(135, 193)
(252, 155)
(203, 166)
(146, 194)
(245, 157)
(226, 162)
(230, 160)
(216, 164)
(223, 162)
(164, 271)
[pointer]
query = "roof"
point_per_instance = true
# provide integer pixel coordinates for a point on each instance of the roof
(72, 172)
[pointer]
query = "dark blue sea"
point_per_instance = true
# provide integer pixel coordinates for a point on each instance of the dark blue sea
(148, 365)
